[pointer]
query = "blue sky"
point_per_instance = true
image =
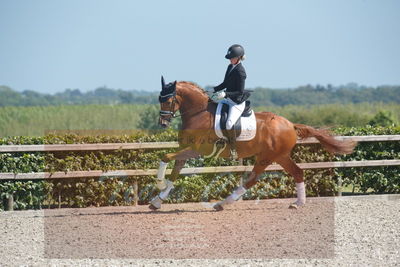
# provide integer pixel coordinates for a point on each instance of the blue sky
(51, 45)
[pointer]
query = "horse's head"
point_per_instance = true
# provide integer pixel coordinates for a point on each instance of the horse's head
(168, 102)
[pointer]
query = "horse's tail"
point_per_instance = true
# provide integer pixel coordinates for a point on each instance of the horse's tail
(328, 141)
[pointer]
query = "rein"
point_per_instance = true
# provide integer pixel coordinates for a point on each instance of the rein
(200, 111)
(172, 107)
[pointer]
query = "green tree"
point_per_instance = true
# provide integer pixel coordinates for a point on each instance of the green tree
(8, 97)
(148, 119)
(382, 118)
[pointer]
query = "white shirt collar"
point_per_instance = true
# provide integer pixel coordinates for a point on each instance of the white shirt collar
(234, 65)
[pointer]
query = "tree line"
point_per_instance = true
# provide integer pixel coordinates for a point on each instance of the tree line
(101, 95)
(316, 95)
(303, 95)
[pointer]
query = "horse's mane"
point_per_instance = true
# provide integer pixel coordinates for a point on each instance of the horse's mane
(192, 86)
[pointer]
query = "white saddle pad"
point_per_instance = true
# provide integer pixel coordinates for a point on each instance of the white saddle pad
(248, 124)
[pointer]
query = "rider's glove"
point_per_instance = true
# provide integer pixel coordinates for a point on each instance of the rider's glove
(218, 96)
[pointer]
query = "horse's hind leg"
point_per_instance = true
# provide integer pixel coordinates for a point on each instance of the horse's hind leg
(258, 168)
(291, 167)
(165, 185)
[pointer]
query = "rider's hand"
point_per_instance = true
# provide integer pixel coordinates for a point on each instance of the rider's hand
(218, 96)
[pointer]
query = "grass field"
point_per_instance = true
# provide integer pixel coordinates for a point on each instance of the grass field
(37, 120)
(351, 115)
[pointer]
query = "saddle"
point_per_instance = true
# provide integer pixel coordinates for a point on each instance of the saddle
(238, 125)
(245, 127)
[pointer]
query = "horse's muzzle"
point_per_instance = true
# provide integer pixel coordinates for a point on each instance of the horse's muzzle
(164, 122)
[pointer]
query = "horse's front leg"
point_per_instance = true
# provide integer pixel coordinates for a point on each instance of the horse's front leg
(165, 186)
(258, 169)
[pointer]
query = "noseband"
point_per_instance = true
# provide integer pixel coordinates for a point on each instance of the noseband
(170, 112)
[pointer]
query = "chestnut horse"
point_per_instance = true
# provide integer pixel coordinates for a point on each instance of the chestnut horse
(274, 140)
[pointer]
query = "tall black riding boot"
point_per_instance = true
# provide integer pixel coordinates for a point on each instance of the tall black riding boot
(231, 134)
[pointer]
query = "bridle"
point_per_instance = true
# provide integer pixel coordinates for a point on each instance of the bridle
(171, 112)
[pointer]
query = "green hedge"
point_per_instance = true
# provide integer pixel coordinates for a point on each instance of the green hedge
(372, 179)
(119, 191)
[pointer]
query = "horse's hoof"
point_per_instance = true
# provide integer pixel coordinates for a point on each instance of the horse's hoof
(152, 207)
(155, 203)
(295, 205)
(218, 207)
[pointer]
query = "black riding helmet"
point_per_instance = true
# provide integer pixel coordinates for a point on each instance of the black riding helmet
(235, 50)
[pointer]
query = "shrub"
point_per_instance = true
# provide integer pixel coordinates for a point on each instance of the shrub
(86, 192)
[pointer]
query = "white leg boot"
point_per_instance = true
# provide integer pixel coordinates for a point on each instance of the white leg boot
(164, 185)
(301, 196)
(231, 198)
(161, 182)
(156, 202)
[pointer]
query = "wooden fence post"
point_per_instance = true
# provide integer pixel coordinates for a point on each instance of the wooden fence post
(339, 186)
(10, 202)
(241, 177)
(136, 193)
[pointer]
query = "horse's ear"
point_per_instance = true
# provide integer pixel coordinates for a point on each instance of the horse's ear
(175, 84)
(162, 82)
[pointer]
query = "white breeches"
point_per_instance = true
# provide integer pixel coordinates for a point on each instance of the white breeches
(235, 110)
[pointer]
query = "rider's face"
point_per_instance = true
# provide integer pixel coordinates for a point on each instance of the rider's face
(234, 60)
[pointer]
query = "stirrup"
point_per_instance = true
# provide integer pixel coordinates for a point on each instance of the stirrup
(234, 154)
(220, 143)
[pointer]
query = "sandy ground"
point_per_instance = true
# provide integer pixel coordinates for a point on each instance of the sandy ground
(359, 231)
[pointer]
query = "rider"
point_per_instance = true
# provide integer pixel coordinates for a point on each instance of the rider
(235, 95)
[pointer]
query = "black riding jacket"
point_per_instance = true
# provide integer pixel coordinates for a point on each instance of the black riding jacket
(234, 84)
